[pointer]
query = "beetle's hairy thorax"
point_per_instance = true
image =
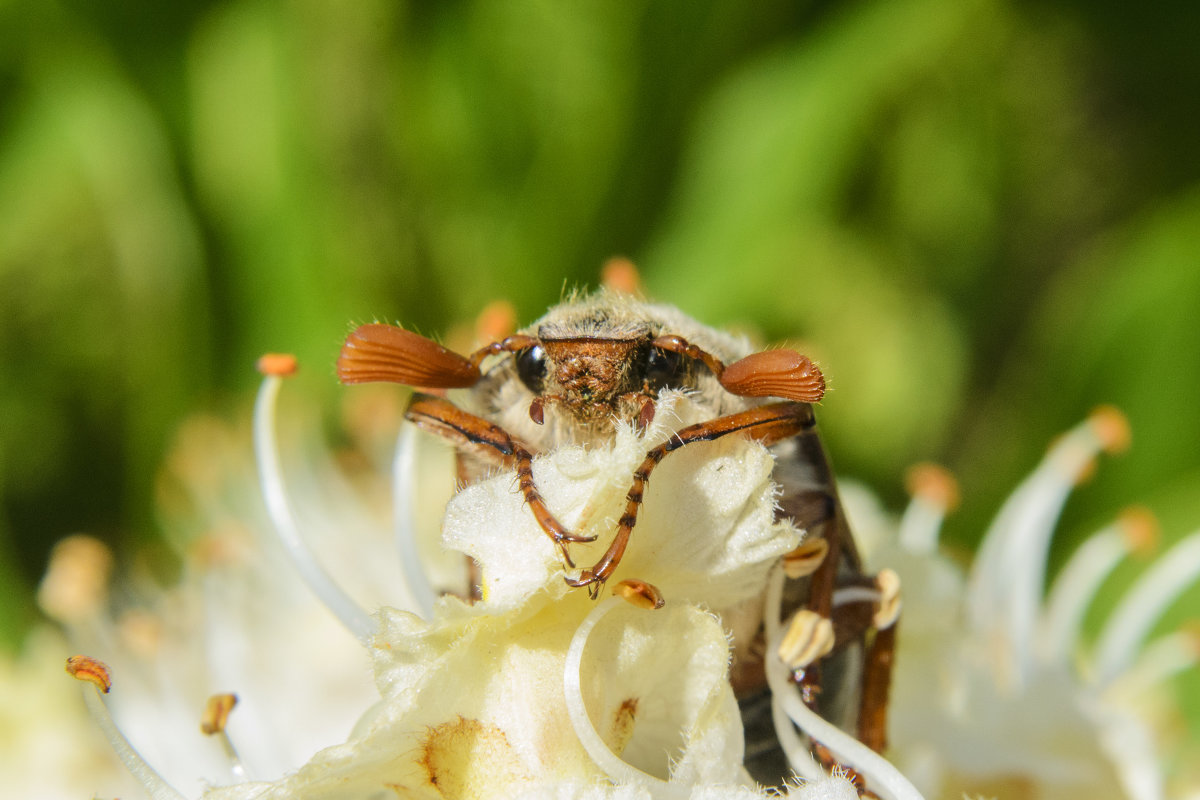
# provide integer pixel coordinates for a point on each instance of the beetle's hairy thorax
(592, 344)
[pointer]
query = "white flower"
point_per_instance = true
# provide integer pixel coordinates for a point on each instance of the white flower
(536, 691)
(994, 693)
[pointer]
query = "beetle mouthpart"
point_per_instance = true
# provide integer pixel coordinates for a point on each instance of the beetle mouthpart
(646, 415)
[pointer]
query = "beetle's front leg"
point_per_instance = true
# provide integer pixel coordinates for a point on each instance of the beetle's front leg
(766, 424)
(495, 444)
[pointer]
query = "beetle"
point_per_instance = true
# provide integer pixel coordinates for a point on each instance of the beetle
(607, 356)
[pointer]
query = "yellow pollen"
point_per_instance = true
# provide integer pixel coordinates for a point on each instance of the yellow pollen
(216, 713)
(280, 365)
(86, 668)
(639, 593)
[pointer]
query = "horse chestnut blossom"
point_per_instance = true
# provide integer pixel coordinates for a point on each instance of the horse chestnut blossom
(535, 691)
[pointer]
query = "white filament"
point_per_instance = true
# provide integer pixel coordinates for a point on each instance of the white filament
(1075, 588)
(1005, 588)
(920, 526)
(1160, 661)
(618, 770)
(404, 481)
(154, 784)
(855, 594)
(884, 778)
(1141, 607)
(237, 769)
(794, 748)
(266, 448)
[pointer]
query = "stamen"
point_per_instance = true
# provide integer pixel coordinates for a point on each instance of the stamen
(1162, 660)
(76, 582)
(804, 560)
(621, 275)
(497, 320)
(888, 610)
(86, 668)
(617, 769)
(809, 636)
(883, 777)
(1079, 581)
(216, 713)
(855, 594)
(1005, 589)
(404, 516)
(96, 673)
(934, 494)
(282, 365)
(212, 723)
(799, 757)
(1142, 605)
(279, 510)
(1111, 428)
(639, 593)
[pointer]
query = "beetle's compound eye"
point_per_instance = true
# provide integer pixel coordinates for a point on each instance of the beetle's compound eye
(531, 367)
(663, 368)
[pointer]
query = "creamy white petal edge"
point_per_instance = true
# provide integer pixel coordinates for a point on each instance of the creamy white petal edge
(475, 700)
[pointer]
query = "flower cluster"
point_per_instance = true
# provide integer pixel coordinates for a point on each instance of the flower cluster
(535, 691)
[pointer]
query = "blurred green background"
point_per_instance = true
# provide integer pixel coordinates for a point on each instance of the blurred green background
(982, 217)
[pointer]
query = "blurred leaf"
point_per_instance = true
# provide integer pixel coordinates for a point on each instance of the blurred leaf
(103, 341)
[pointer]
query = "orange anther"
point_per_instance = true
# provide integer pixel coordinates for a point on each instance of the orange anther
(497, 320)
(1111, 427)
(280, 365)
(805, 559)
(86, 668)
(639, 593)
(621, 275)
(216, 713)
(1140, 528)
(934, 483)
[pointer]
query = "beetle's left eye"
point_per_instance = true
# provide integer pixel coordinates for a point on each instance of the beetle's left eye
(663, 368)
(531, 367)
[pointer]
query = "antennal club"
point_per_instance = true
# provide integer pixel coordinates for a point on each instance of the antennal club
(775, 373)
(377, 352)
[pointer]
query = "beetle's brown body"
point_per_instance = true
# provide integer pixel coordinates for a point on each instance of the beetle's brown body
(595, 361)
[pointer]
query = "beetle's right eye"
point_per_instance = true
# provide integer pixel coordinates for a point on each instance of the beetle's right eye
(531, 367)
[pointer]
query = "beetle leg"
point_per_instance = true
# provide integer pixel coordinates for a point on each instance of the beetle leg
(877, 680)
(467, 430)
(766, 424)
